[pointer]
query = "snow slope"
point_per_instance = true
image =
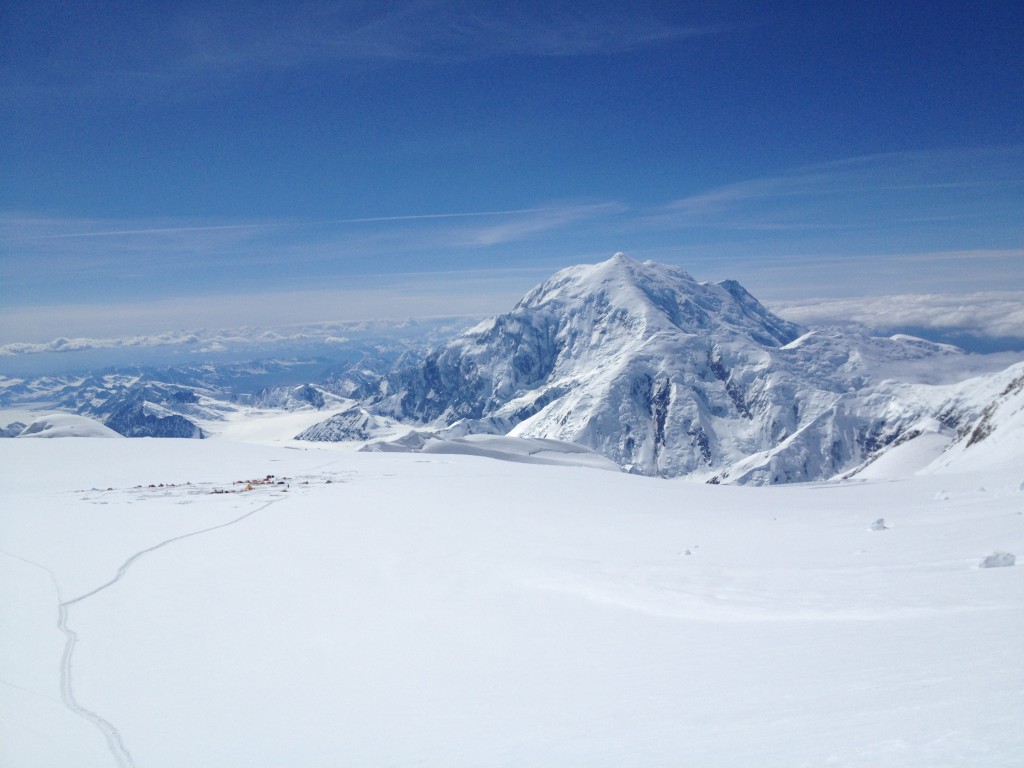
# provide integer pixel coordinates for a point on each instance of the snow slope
(66, 425)
(381, 609)
(526, 450)
(996, 439)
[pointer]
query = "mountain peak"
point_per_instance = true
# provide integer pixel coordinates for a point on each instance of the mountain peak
(620, 281)
(649, 297)
(634, 359)
(626, 264)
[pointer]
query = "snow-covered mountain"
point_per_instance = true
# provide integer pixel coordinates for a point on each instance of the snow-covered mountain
(668, 376)
(351, 424)
(179, 401)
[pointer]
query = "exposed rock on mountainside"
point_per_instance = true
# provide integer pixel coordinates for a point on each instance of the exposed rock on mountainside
(291, 398)
(1010, 399)
(995, 437)
(135, 416)
(149, 410)
(354, 424)
(13, 429)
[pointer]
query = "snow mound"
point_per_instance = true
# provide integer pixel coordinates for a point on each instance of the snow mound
(67, 425)
(914, 450)
(523, 450)
(998, 560)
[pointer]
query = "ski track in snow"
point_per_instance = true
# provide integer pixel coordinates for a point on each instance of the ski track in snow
(128, 563)
(115, 743)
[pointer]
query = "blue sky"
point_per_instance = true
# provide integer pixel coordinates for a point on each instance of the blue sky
(175, 165)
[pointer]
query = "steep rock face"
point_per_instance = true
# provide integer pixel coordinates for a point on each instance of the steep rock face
(13, 429)
(354, 424)
(290, 398)
(1003, 408)
(148, 410)
(136, 417)
(667, 376)
(994, 437)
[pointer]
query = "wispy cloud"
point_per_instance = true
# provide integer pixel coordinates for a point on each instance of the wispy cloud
(912, 222)
(868, 192)
(543, 220)
(193, 45)
(554, 214)
(820, 277)
(286, 35)
(200, 339)
(105, 257)
(995, 318)
(157, 231)
(295, 314)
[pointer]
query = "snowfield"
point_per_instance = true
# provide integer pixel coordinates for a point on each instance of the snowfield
(171, 603)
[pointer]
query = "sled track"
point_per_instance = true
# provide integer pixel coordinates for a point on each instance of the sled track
(115, 744)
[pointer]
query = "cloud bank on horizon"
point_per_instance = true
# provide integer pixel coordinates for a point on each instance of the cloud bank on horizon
(201, 165)
(995, 319)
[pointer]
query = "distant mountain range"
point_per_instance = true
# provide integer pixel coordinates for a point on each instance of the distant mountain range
(664, 375)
